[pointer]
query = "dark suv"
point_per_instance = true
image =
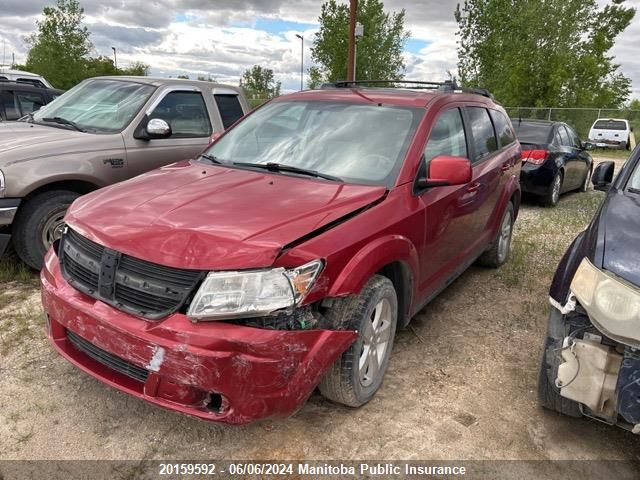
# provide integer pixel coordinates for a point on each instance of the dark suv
(18, 99)
(286, 255)
(591, 359)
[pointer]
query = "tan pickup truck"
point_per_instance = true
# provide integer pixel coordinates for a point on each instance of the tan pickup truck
(103, 131)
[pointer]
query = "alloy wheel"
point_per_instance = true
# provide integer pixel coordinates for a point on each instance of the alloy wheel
(376, 338)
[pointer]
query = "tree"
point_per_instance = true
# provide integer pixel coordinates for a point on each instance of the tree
(61, 46)
(551, 53)
(379, 54)
(258, 82)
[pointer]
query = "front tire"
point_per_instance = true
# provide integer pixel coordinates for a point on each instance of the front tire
(39, 223)
(357, 375)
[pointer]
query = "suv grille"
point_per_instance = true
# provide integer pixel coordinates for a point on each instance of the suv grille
(107, 359)
(135, 286)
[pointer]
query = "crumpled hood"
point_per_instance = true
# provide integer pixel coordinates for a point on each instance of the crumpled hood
(21, 141)
(192, 215)
(621, 219)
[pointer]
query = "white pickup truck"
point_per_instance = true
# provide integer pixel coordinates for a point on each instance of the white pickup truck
(611, 133)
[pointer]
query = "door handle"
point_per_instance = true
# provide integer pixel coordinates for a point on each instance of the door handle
(473, 188)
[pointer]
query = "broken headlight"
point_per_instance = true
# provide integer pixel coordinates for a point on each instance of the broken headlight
(613, 305)
(225, 295)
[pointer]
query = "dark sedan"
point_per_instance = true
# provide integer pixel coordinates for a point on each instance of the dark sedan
(18, 99)
(554, 159)
(591, 360)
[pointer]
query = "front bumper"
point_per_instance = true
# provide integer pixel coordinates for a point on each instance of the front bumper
(8, 210)
(211, 370)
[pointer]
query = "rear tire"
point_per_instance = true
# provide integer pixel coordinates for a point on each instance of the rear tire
(357, 375)
(548, 394)
(498, 254)
(553, 195)
(39, 223)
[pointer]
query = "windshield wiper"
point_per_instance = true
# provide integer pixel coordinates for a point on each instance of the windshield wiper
(63, 121)
(279, 167)
(211, 158)
(634, 190)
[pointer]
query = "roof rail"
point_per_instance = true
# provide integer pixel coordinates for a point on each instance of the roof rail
(446, 86)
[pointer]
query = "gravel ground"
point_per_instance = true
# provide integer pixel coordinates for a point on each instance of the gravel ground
(461, 383)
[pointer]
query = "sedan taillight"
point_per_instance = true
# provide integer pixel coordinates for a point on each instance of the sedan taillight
(536, 157)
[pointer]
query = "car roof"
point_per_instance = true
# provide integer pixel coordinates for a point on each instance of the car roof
(611, 120)
(160, 81)
(7, 84)
(406, 97)
(532, 121)
(18, 72)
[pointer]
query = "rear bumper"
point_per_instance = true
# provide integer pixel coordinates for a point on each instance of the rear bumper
(212, 370)
(537, 179)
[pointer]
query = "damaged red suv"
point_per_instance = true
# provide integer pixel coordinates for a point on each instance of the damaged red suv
(284, 258)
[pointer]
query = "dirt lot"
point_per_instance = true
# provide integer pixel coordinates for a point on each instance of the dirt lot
(461, 383)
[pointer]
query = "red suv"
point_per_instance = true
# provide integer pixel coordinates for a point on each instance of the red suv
(284, 257)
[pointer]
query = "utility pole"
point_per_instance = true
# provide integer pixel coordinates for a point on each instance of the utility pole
(352, 40)
(301, 61)
(115, 59)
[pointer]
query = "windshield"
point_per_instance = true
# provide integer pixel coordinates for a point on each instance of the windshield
(610, 125)
(533, 133)
(358, 143)
(98, 105)
(634, 181)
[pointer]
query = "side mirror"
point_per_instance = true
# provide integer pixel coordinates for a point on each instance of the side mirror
(603, 176)
(588, 146)
(152, 129)
(446, 170)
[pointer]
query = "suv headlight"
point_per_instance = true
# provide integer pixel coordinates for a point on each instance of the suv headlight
(3, 185)
(613, 305)
(225, 295)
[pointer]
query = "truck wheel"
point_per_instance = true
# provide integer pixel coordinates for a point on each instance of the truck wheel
(357, 375)
(548, 394)
(499, 252)
(553, 195)
(39, 224)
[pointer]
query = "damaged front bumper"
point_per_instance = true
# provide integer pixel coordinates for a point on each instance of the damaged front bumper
(600, 374)
(216, 371)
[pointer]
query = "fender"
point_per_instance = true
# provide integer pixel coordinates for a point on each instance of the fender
(513, 186)
(371, 259)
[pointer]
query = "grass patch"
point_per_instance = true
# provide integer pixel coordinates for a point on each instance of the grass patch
(19, 326)
(14, 270)
(610, 153)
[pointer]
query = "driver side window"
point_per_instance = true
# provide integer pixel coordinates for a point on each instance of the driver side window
(186, 113)
(447, 137)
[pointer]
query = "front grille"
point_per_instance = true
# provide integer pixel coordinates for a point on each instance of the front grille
(107, 359)
(135, 286)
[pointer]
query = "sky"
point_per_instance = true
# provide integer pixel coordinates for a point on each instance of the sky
(223, 38)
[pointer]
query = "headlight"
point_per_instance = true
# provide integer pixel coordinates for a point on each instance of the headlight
(612, 304)
(252, 293)
(3, 185)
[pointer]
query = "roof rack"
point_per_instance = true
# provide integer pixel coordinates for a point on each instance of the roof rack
(446, 86)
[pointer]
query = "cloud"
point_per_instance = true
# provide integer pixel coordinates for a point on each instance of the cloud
(225, 37)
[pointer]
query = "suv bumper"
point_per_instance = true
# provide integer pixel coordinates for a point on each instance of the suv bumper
(211, 370)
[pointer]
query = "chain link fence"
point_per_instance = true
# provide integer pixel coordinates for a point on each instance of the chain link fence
(581, 119)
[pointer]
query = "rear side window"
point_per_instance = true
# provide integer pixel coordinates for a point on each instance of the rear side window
(564, 137)
(484, 136)
(573, 138)
(505, 132)
(610, 125)
(229, 108)
(11, 106)
(186, 113)
(29, 102)
(447, 137)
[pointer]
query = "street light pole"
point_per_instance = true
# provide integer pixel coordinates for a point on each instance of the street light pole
(359, 33)
(301, 61)
(115, 59)
(352, 40)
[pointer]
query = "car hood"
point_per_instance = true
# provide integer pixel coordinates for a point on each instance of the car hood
(620, 217)
(192, 215)
(21, 141)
